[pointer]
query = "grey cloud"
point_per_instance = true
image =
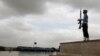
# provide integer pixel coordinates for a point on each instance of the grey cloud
(25, 6)
(22, 7)
(17, 31)
(87, 4)
(94, 4)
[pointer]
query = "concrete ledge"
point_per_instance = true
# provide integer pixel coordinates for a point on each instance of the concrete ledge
(81, 48)
(98, 40)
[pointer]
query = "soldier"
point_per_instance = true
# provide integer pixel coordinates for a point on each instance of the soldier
(85, 25)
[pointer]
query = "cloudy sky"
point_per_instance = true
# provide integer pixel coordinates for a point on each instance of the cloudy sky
(47, 22)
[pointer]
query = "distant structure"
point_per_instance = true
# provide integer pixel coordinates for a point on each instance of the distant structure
(36, 49)
(35, 43)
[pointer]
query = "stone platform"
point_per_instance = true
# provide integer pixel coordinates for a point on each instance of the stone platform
(80, 48)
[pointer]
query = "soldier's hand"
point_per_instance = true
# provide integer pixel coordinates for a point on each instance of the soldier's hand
(78, 20)
(80, 27)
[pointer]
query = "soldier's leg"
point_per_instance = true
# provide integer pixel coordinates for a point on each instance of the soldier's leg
(85, 39)
(84, 32)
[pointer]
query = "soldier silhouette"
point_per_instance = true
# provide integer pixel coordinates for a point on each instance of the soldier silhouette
(85, 25)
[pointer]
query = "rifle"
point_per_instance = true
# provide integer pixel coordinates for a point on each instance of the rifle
(80, 23)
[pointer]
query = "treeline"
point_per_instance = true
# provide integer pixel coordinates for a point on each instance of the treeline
(34, 49)
(2, 48)
(37, 49)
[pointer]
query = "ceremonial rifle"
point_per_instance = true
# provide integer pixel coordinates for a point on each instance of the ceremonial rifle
(80, 23)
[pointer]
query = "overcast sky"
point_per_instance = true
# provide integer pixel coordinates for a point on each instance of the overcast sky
(47, 22)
